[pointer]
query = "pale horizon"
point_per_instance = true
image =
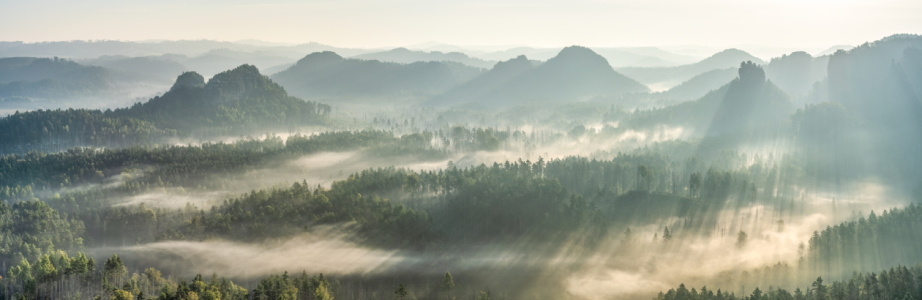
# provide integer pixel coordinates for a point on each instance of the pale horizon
(380, 24)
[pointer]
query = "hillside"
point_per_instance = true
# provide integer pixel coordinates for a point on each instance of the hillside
(667, 77)
(796, 73)
(236, 99)
(52, 77)
(533, 53)
(576, 73)
(879, 84)
(235, 102)
(328, 75)
(751, 104)
(617, 57)
(217, 60)
(745, 104)
(149, 67)
(500, 75)
(641, 57)
(406, 56)
(698, 86)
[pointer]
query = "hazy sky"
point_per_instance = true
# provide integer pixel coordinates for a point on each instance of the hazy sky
(351, 23)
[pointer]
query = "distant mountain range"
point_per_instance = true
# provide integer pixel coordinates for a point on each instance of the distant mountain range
(406, 56)
(93, 49)
(327, 75)
(472, 78)
(617, 57)
(218, 60)
(575, 73)
(52, 77)
(203, 56)
(698, 86)
(152, 67)
(663, 78)
(748, 102)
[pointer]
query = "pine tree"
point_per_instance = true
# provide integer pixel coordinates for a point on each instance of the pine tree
(45, 270)
(321, 293)
(447, 282)
(741, 239)
(819, 290)
(400, 293)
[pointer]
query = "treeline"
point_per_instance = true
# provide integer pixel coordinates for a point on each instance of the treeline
(173, 164)
(842, 251)
(29, 229)
(59, 276)
(286, 212)
(76, 214)
(435, 207)
(892, 238)
(899, 282)
(475, 204)
(56, 130)
(235, 102)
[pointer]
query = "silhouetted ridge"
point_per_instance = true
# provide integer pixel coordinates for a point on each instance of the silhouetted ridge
(46, 77)
(880, 85)
(731, 54)
(673, 76)
(500, 74)
(751, 103)
(238, 97)
(189, 80)
(797, 72)
(407, 56)
(318, 60)
(236, 101)
(751, 73)
(233, 84)
(513, 65)
(576, 73)
(326, 74)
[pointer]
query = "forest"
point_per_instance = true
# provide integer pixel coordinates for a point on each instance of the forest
(226, 170)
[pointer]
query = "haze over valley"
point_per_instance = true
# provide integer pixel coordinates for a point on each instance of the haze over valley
(571, 151)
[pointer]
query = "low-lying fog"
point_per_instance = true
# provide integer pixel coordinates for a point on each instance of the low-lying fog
(622, 267)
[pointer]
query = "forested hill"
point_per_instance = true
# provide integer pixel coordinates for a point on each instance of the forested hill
(233, 99)
(234, 102)
(744, 104)
(797, 72)
(327, 75)
(879, 85)
(499, 75)
(700, 85)
(51, 77)
(751, 103)
(850, 253)
(575, 73)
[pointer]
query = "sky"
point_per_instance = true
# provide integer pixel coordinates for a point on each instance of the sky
(539, 23)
